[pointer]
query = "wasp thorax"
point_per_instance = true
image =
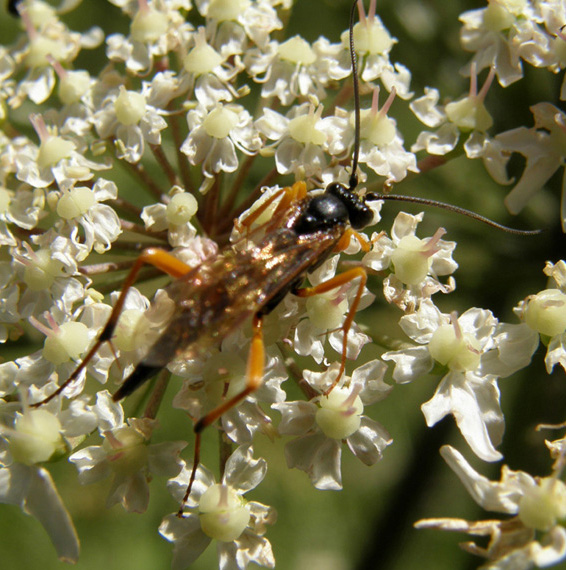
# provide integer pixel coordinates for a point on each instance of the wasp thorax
(323, 211)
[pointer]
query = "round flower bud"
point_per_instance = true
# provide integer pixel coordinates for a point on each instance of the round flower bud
(410, 261)
(148, 25)
(226, 10)
(182, 207)
(296, 50)
(469, 114)
(543, 505)
(339, 416)
(202, 59)
(496, 17)
(130, 107)
(52, 150)
(223, 513)
(131, 330)
(219, 122)
(546, 312)
(459, 354)
(40, 48)
(69, 341)
(72, 86)
(303, 129)
(42, 270)
(75, 203)
(36, 437)
(372, 39)
(377, 128)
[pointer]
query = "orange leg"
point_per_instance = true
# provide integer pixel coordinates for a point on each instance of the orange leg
(344, 241)
(254, 376)
(152, 256)
(337, 281)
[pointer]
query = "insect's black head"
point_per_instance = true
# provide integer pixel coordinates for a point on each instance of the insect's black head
(359, 214)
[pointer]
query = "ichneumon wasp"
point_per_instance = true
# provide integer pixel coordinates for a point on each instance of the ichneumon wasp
(247, 280)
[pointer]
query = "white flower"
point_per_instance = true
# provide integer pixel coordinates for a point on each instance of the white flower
(215, 135)
(289, 68)
(533, 537)
(57, 159)
(544, 147)
(381, 144)
(126, 455)
(545, 314)
(462, 346)
(209, 74)
(82, 206)
(415, 264)
(323, 424)
(300, 139)
(326, 314)
(373, 43)
(494, 35)
(48, 38)
(131, 119)
(219, 511)
(220, 377)
(237, 21)
(155, 30)
(465, 116)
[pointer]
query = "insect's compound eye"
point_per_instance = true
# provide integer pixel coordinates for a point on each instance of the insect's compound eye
(359, 214)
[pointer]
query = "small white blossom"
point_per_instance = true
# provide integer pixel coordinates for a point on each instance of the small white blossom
(465, 116)
(545, 314)
(126, 455)
(469, 389)
(415, 264)
(300, 139)
(544, 147)
(219, 511)
(215, 135)
(322, 425)
(533, 537)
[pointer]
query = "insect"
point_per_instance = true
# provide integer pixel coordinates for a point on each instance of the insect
(248, 280)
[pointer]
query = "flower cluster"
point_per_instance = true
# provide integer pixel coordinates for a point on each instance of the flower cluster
(207, 120)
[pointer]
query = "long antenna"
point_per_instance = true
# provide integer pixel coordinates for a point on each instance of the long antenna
(398, 197)
(355, 155)
(450, 208)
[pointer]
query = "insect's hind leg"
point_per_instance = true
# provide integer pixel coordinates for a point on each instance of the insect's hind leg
(333, 283)
(254, 379)
(152, 256)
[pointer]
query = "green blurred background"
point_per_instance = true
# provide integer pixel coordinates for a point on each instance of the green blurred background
(369, 524)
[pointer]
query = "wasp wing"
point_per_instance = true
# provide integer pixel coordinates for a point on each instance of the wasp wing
(218, 296)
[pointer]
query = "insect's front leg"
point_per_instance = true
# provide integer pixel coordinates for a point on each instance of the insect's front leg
(152, 256)
(254, 379)
(337, 281)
